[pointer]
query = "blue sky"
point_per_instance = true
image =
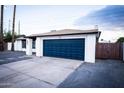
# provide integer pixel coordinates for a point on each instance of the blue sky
(38, 19)
(108, 17)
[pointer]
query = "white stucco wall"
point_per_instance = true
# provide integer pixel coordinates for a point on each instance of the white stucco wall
(90, 42)
(39, 46)
(28, 46)
(9, 46)
(90, 47)
(18, 46)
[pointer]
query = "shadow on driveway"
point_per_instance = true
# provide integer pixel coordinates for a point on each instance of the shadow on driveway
(102, 74)
(10, 56)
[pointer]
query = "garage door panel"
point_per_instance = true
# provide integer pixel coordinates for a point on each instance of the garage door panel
(64, 48)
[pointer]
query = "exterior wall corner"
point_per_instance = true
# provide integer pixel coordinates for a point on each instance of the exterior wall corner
(39, 46)
(28, 46)
(90, 48)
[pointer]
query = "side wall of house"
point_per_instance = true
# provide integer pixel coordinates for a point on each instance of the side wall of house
(90, 43)
(17, 46)
(90, 48)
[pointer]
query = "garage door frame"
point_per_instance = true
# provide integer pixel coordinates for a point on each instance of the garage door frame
(71, 53)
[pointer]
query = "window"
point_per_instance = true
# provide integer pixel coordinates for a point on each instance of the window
(23, 43)
(33, 43)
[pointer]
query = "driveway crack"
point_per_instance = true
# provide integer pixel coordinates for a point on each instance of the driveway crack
(30, 76)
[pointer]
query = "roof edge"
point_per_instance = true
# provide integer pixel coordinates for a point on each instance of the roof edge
(63, 34)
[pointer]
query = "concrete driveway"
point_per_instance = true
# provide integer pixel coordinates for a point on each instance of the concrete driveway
(19, 70)
(36, 72)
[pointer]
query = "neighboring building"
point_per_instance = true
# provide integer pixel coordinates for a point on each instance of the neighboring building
(66, 43)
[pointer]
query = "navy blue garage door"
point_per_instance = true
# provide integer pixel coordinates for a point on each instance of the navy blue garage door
(64, 48)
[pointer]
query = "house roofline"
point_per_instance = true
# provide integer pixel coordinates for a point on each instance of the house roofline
(63, 34)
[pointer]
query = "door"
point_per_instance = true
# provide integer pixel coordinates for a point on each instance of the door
(64, 48)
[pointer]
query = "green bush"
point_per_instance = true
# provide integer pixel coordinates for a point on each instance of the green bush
(120, 40)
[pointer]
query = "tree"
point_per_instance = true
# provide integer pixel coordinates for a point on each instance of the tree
(8, 36)
(13, 28)
(1, 29)
(120, 40)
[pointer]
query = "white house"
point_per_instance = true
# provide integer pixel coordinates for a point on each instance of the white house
(65, 43)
